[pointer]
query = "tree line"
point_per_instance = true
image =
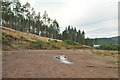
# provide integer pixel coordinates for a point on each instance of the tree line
(22, 17)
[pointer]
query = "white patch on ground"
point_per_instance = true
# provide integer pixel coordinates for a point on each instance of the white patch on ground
(63, 59)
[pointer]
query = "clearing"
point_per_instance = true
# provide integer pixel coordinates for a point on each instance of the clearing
(42, 64)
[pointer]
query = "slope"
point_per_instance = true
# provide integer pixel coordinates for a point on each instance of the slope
(13, 40)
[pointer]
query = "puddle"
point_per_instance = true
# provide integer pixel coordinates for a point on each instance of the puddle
(63, 59)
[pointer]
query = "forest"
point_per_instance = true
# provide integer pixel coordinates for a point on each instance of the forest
(23, 17)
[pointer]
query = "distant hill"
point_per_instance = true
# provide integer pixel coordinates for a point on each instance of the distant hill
(113, 40)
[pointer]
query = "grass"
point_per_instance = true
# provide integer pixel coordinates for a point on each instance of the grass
(71, 42)
(27, 36)
(0, 54)
(97, 53)
(54, 41)
(10, 37)
(116, 62)
(13, 38)
(5, 41)
(36, 44)
(7, 53)
(105, 53)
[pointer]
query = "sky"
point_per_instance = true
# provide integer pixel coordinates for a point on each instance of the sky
(98, 18)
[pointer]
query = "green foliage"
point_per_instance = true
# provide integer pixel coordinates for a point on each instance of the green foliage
(22, 38)
(71, 42)
(5, 41)
(55, 47)
(102, 41)
(22, 17)
(97, 53)
(0, 35)
(75, 43)
(116, 62)
(7, 53)
(37, 44)
(3, 38)
(54, 41)
(49, 40)
(108, 47)
(100, 54)
(88, 42)
(72, 34)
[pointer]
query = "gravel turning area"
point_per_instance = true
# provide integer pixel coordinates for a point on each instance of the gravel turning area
(43, 64)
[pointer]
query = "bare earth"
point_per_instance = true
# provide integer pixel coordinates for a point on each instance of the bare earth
(42, 64)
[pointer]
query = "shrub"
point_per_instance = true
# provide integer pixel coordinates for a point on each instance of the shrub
(54, 40)
(3, 34)
(22, 38)
(48, 39)
(3, 37)
(5, 41)
(55, 47)
(108, 47)
(116, 62)
(71, 42)
(68, 47)
(75, 43)
(37, 44)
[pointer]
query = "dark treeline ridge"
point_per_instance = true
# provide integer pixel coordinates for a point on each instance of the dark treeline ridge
(22, 17)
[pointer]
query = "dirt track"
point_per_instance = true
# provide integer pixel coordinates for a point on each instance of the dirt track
(42, 64)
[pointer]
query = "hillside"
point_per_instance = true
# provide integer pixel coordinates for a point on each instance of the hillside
(102, 41)
(116, 38)
(36, 56)
(12, 40)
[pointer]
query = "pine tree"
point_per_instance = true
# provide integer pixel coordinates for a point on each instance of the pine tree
(23, 18)
(83, 37)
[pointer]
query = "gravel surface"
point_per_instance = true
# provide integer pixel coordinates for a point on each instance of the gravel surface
(42, 64)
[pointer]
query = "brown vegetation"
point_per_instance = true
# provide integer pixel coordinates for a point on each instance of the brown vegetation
(13, 40)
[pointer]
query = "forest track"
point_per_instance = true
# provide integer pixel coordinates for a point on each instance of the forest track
(42, 64)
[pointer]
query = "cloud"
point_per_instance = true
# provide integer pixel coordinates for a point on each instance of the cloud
(88, 15)
(104, 29)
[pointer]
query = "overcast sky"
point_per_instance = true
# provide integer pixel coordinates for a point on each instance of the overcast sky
(98, 18)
